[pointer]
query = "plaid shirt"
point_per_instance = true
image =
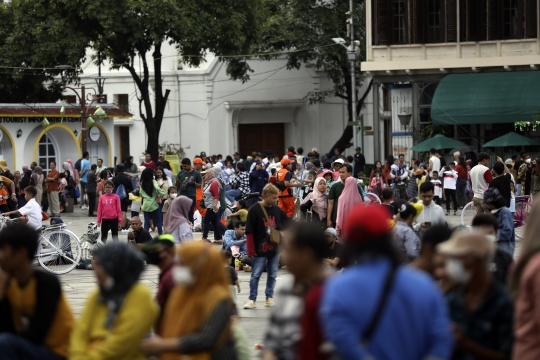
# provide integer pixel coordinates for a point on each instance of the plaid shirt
(241, 182)
(490, 324)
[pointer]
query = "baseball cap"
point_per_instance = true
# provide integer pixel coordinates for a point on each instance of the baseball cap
(199, 161)
(258, 163)
(285, 162)
(203, 153)
(464, 243)
(358, 148)
(508, 161)
(341, 161)
(290, 154)
(492, 195)
(158, 240)
(363, 223)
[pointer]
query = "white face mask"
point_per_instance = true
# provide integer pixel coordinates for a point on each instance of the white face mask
(492, 238)
(182, 275)
(173, 195)
(456, 271)
(528, 161)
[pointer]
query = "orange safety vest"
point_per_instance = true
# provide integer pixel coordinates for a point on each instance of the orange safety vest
(281, 177)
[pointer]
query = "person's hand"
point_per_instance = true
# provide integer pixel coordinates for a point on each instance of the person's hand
(153, 345)
(23, 220)
(423, 225)
(238, 287)
(131, 235)
(269, 355)
(119, 227)
(229, 215)
(499, 159)
(216, 208)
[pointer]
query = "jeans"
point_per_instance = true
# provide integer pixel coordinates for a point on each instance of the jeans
(192, 208)
(259, 263)
(461, 190)
(233, 195)
(91, 203)
(156, 217)
(83, 190)
(16, 347)
(519, 187)
(212, 218)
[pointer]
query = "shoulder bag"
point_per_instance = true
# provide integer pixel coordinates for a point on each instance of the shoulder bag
(275, 235)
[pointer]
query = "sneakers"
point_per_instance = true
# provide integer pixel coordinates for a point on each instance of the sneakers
(84, 207)
(247, 268)
(250, 305)
(269, 303)
(125, 230)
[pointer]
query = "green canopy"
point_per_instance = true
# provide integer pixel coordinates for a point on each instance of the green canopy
(486, 98)
(512, 139)
(437, 142)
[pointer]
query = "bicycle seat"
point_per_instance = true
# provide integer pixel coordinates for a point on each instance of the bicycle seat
(252, 194)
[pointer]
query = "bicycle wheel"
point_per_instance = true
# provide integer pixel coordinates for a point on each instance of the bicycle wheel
(520, 217)
(59, 251)
(371, 199)
(467, 214)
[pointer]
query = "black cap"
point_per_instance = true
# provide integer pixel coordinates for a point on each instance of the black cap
(258, 154)
(203, 153)
(358, 148)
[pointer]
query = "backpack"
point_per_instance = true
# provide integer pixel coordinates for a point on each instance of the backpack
(121, 191)
(78, 165)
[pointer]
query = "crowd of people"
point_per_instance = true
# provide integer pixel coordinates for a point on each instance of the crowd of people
(389, 281)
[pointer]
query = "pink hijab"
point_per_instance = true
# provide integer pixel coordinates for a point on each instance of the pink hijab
(347, 200)
(177, 213)
(319, 199)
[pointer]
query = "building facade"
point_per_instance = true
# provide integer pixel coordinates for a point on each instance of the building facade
(452, 66)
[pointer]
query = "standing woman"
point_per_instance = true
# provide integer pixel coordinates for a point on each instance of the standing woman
(37, 178)
(71, 185)
(317, 200)
(378, 165)
(151, 192)
(164, 183)
(387, 171)
(25, 181)
(461, 185)
(176, 220)
(197, 318)
(535, 178)
(349, 198)
(212, 188)
(524, 286)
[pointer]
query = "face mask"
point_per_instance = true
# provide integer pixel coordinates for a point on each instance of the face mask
(456, 271)
(173, 195)
(108, 192)
(153, 258)
(492, 238)
(528, 161)
(182, 275)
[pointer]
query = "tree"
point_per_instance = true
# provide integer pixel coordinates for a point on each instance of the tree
(123, 30)
(307, 27)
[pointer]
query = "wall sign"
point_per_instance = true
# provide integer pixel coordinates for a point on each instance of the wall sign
(1, 135)
(94, 133)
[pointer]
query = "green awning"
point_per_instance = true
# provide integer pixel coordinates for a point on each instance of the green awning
(490, 98)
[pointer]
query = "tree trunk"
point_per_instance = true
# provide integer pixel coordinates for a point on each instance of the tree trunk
(344, 141)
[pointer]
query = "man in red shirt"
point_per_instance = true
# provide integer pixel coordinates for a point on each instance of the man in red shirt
(148, 162)
(161, 252)
(53, 177)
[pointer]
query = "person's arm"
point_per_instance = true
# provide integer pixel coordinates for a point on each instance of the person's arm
(329, 212)
(237, 283)
(506, 227)
(477, 351)
(13, 212)
(118, 210)
(430, 167)
(404, 175)
(159, 191)
(214, 190)
(487, 176)
(411, 244)
(454, 174)
(198, 180)
(439, 344)
(250, 245)
(332, 262)
(79, 341)
(288, 183)
(99, 212)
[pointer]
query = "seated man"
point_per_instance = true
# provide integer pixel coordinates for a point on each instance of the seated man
(138, 235)
(31, 211)
(35, 318)
(237, 237)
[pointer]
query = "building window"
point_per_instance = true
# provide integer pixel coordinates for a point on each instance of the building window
(399, 21)
(510, 19)
(46, 152)
(123, 102)
(434, 21)
(71, 99)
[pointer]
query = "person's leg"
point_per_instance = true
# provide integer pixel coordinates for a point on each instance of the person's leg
(478, 205)
(246, 260)
(258, 265)
(447, 192)
(104, 229)
(91, 203)
(272, 268)
(216, 221)
(158, 219)
(192, 208)
(16, 347)
(83, 191)
(146, 220)
(229, 197)
(485, 207)
(55, 203)
(114, 229)
(518, 189)
(208, 217)
(454, 199)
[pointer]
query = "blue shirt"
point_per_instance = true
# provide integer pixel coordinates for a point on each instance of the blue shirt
(230, 240)
(414, 323)
(85, 165)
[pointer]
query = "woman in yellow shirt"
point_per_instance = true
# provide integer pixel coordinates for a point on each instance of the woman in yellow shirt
(119, 313)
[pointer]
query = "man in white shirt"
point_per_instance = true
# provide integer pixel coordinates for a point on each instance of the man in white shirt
(480, 178)
(31, 210)
(434, 162)
(432, 214)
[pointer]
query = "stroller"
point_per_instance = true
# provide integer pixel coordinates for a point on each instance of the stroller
(89, 242)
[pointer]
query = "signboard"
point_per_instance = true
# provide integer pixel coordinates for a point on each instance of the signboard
(174, 161)
(1, 135)
(94, 133)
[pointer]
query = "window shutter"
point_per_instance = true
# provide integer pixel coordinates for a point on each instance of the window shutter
(530, 19)
(494, 20)
(451, 20)
(417, 21)
(471, 20)
(382, 21)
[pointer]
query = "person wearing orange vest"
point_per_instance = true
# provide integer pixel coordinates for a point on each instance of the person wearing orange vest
(285, 197)
(198, 165)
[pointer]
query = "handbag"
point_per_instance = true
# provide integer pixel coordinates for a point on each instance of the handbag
(275, 235)
(77, 193)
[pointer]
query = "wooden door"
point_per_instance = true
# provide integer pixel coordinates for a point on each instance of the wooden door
(124, 142)
(261, 137)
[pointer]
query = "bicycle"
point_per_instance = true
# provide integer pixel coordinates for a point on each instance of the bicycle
(59, 250)
(369, 197)
(523, 207)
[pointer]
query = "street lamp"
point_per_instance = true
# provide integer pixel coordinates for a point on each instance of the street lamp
(404, 118)
(19, 133)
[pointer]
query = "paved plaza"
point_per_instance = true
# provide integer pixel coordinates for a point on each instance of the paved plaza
(78, 283)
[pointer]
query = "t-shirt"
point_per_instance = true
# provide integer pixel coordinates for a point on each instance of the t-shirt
(85, 165)
(53, 185)
(516, 169)
(438, 187)
(436, 165)
(233, 274)
(187, 182)
(33, 211)
(257, 225)
(142, 236)
(151, 164)
(502, 183)
(336, 252)
(92, 182)
(335, 193)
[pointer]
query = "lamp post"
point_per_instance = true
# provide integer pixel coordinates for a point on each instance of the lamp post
(86, 121)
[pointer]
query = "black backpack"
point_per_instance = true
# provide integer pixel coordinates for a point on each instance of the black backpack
(78, 165)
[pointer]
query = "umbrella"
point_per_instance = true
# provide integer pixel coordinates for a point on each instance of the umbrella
(463, 150)
(511, 139)
(437, 142)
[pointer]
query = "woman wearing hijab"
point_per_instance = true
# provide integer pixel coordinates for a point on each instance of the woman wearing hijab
(176, 220)
(118, 314)
(349, 198)
(197, 318)
(211, 193)
(25, 181)
(317, 200)
(151, 194)
(37, 178)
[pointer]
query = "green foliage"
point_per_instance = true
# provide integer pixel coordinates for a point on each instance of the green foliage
(431, 130)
